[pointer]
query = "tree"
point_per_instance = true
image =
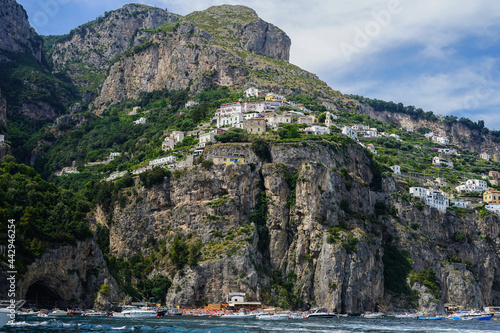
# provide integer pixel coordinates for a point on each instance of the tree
(262, 149)
(232, 135)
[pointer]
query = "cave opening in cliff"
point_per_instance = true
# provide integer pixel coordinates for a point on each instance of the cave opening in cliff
(39, 294)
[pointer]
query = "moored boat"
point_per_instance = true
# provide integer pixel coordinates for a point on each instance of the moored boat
(430, 318)
(407, 316)
(320, 313)
(273, 316)
(58, 312)
(242, 314)
(135, 312)
(371, 315)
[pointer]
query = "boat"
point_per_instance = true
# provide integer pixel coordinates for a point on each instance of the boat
(135, 312)
(43, 313)
(76, 312)
(93, 313)
(27, 312)
(371, 315)
(472, 316)
(407, 316)
(273, 316)
(242, 314)
(430, 318)
(58, 312)
(297, 316)
(320, 313)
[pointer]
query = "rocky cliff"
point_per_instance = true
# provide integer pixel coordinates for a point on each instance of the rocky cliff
(69, 275)
(333, 232)
(16, 34)
(89, 49)
(458, 133)
(147, 49)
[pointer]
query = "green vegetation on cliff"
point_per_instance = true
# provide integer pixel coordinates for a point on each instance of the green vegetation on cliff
(45, 216)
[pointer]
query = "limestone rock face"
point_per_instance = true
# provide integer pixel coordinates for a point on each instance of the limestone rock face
(16, 34)
(98, 43)
(72, 274)
(341, 270)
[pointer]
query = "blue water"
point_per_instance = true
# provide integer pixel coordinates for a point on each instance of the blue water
(216, 325)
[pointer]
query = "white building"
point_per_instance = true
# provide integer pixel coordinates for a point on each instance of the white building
(495, 208)
(191, 103)
(140, 121)
(229, 114)
(396, 169)
(168, 144)
(2, 138)
(436, 160)
(447, 151)
(461, 204)
(162, 161)
(359, 127)
(395, 136)
(441, 140)
(207, 137)
(178, 136)
(251, 115)
(113, 155)
(485, 156)
(350, 133)
(370, 133)
(431, 197)
(473, 185)
(317, 130)
(408, 129)
(254, 106)
(253, 92)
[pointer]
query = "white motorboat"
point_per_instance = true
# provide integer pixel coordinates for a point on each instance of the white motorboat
(135, 312)
(273, 316)
(93, 313)
(58, 313)
(407, 316)
(320, 313)
(242, 314)
(371, 315)
(27, 312)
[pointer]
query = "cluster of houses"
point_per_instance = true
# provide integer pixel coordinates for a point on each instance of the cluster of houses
(488, 157)
(257, 116)
(437, 138)
(441, 200)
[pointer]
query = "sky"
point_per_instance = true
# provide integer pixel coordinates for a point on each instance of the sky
(442, 56)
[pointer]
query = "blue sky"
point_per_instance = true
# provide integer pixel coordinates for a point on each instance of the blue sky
(443, 56)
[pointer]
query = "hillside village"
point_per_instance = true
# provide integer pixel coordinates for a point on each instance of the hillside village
(261, 114)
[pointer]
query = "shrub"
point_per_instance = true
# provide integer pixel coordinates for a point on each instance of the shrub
(207, 164)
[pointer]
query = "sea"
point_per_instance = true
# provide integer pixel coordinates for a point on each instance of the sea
(216, 325)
